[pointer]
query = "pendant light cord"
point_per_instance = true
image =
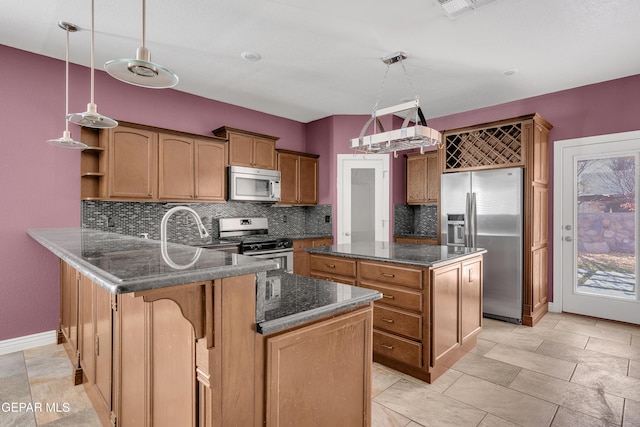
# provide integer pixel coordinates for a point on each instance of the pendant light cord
(92, 47)
(144, 13)
(66, 82)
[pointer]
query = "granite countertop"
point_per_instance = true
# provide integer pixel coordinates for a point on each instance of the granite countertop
(123, 264)
(401, 253)
(288, 299)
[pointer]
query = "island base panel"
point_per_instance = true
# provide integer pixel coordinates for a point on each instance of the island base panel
(324, 365)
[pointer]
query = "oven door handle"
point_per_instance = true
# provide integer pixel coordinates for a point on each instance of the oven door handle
(275, 251)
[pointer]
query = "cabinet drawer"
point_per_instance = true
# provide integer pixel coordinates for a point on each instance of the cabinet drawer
(409, 300)
(392, 274)
(332, 265)
(397, 348)
(397, 322)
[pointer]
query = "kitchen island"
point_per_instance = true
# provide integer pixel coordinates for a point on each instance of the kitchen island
(191, 336)
(431, 308)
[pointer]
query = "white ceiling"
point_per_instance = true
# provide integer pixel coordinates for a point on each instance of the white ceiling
(321, 58)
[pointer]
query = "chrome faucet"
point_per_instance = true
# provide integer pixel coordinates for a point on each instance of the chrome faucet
(163, 237)
(165, 219)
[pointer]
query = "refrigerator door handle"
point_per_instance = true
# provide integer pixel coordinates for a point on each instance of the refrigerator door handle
(474, 221)
(467, 222)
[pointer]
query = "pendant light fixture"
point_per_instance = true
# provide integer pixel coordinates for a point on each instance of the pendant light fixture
(141, 71)
(91, 118)
(66, 140)
(407, 137)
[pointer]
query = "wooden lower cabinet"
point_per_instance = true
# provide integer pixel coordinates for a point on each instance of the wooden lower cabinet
(427, 318)
(154, 362)
(471, 300)
(189, 355)
(335, 269)
(301, 257)
(95, 327)
(456, 311)
(68, 328)
(445, 316)
(317, 367)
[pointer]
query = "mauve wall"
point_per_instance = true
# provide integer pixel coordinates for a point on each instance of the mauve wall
(39, 184)
(329, 137)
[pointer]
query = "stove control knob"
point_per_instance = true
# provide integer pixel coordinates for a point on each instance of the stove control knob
(254, 247)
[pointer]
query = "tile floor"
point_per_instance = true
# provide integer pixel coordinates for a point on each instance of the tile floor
(566, 371)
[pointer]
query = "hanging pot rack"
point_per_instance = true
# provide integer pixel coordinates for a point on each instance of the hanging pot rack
(418, 135)
(405, 138)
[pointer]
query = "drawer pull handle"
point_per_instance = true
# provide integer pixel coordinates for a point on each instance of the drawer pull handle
(388, 296)
(388, 347)
(331, 265)
(387, 320)
(470, 275)
(388, 274)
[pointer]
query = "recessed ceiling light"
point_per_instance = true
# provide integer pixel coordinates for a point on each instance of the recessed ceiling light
(250, 56)
(510, 72)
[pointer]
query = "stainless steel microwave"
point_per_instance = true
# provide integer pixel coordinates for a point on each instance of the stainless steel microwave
(253, 185)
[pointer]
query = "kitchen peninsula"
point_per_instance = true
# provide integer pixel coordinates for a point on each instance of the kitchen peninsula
(192, 336)
(431, 308)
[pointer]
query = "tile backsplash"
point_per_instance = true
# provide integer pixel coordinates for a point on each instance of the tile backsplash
(416, 219)
(135, 218)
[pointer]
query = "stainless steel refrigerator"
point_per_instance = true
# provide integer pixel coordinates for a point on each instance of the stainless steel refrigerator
(484, 209)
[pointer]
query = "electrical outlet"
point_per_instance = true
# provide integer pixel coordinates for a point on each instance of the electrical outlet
(284, 218)
(327, 218)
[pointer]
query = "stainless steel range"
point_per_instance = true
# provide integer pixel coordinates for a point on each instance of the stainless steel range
(254, 238)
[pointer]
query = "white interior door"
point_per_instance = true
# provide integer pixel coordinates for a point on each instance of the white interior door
(595, 244)
(363, 198)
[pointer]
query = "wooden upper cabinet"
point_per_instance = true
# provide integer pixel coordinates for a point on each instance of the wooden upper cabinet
(264, 153)
(423, 178)
(249, 149)
(210, 170)
(516, 142)
(308, 183)
(137, 162)
(176, 166)
(191, 169)
(298, 178)
(132, 162)
(288, 167)
(240, 150)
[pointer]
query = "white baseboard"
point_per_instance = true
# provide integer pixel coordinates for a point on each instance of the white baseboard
(28, 341)
(553, 309)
